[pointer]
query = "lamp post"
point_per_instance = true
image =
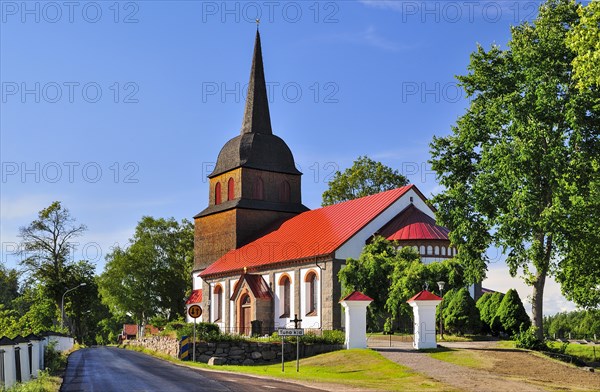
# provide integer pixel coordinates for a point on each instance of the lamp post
(441, 287)
(62, 304)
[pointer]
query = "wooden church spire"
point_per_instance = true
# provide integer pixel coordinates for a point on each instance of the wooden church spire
(256, 114)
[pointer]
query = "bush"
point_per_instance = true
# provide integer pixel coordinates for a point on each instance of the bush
(327, 337)
(181, 328)
(488, 306)
(461, 315)
(511, 314)
(527, 339)
(54, 360)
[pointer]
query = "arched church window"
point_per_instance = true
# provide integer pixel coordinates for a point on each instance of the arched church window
(311, 293)
(285, 285)
(218, 193)
(436, 250)
(429, 250)
(443, 251)
(218, 302)
(422, 250)
(230, 189)
(284, 192)
(258, 192)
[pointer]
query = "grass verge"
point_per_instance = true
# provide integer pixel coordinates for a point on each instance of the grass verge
(44, 383)
(459, 357)
(584, 352)
(359, 368)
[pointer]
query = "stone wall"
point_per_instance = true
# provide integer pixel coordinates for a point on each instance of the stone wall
(235, 353)
(252, 353)
(164, 344)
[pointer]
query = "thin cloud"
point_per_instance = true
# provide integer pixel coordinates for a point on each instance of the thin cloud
(369, 37)
(383, 4)
(23, 207)
(499, 279)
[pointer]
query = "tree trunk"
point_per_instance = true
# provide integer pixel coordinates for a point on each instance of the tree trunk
(537, 303)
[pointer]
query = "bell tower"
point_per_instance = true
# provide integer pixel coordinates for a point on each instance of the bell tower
(255, 184)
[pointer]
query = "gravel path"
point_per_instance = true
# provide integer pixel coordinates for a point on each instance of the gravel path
(460, 377)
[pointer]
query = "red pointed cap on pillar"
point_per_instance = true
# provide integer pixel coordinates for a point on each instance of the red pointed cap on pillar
(356, 296)
(425, 296)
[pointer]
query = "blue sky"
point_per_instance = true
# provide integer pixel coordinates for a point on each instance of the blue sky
(119, 109)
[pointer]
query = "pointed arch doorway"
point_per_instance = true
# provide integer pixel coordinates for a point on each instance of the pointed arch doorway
(245, 312)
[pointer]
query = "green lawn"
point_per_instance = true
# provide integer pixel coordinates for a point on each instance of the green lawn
(357, 368)
(582, 351)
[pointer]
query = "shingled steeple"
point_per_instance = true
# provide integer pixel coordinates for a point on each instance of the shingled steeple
(256, 114)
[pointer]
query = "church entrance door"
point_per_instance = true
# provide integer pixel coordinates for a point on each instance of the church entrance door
(245, 314)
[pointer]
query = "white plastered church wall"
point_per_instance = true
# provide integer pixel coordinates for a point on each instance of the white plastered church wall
(310, 321)
(214, 304)
(231, 305)
(278, 321)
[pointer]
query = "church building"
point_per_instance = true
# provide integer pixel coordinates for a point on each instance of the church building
(261, 257)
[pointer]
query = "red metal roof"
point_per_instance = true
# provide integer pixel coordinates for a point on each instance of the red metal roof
(413, 224)
(309, 234)
(257, 285)
(425, 296)
(356, 296)
(195, 298)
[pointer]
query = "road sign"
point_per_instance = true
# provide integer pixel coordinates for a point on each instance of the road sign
(291, 332)
(195, 311)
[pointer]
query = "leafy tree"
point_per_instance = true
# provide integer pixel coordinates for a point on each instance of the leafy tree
(365, 177)
(579, 323)
(83, 308)
(41, 314)
(8, 321)
(150, 277)
(370, 274)
(47, 244)
(9, 285)
(446, 300)
(584, 40)
(521, 166)
(511, 314)
(392, 276)
(461, 314)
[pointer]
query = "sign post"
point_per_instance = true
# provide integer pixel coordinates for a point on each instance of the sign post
(297, 332)
(194, 311)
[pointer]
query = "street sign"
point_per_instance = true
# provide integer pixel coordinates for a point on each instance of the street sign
(195, 311)
(291, 332)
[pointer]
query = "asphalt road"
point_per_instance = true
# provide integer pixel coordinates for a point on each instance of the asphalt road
(106, 369)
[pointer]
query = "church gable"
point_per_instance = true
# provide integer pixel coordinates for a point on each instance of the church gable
(254, 284)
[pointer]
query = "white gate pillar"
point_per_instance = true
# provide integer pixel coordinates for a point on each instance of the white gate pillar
(355, 306)
(424, 305)
(10, 370)
(35, 354)
(23, 344)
